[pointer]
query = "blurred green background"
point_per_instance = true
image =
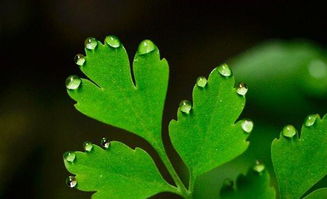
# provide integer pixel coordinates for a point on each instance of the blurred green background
(40, 38)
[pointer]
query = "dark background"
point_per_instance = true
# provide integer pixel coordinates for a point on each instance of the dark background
(38, 40)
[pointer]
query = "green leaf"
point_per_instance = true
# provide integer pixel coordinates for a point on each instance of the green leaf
(254, 185)
(112, 97)
(117, 172)
(300, 161)
(317, 194)
(208, 136)
(292, 69)
(259, 149)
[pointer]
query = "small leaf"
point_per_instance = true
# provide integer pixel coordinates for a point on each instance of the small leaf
(259, 148)
(252, 186)
(117, 172)
(112, 97)
(317, 194)
(207, 136)
(300, 161)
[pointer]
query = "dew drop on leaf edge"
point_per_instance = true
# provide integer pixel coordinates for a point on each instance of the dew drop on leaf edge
(311, 120)
(90, 43)
(224, 70)
(73, 82)
(289, 131)
(105, 143)
(259, 167)
(185, 106)
(79, 59)
(201, 82)
(71, 181)
(88, 146)
(112, 41)
(146, 47)
(247, 126)
(242, 89)
(70, 156)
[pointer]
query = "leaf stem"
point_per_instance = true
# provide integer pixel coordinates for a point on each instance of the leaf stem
(177, 180)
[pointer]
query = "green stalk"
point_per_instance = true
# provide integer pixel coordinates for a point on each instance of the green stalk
(179, 183)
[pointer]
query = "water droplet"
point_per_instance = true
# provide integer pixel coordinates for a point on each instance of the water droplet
(112, 41)
(247, 126)
(224, 70)
(259, 167)
(201, 82)
(105, 143)
(146, 46)
(70, 157)
(242, 89)
(71, 181)
(90, 43)
(311, 120)
(88, 146)
(73, 82)
(185, 106)
(289, 131)
(79, 59)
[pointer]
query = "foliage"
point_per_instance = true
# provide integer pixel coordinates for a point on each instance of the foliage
(109, 172)
(299, 160)
(206, 134)
(282, 75)
(254, 185)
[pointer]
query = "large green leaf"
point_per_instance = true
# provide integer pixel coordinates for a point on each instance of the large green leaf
(300, 161)
(113, 98)
(317, 194)
(208, 136)
(281, 74)
(253, 186)
(117, 172)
